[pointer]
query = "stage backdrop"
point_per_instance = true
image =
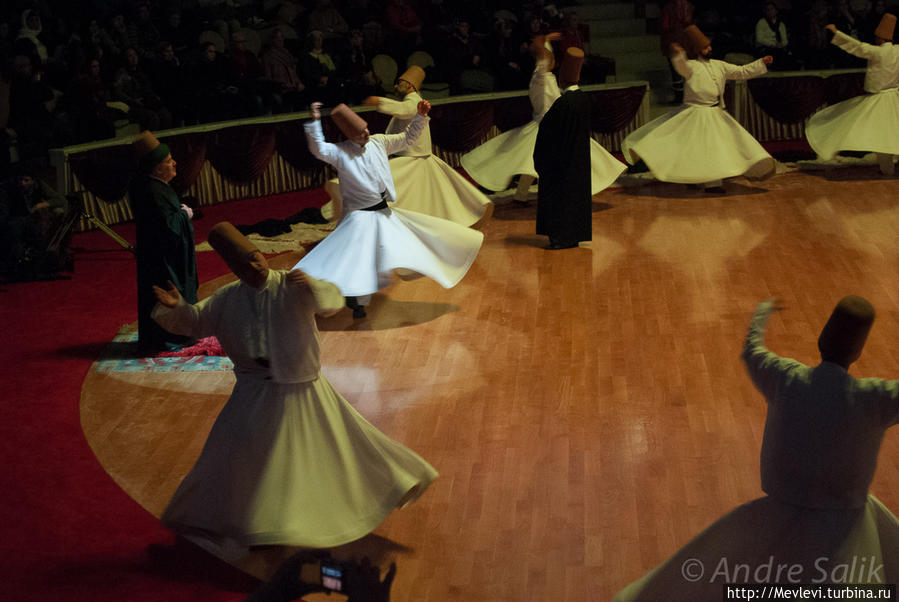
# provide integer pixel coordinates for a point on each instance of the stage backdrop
(268, 155)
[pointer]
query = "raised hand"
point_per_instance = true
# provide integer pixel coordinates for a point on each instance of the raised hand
(831, 28)
(297, 278)
(316, 109)
(169, 297)
(372, 101)
(423, 107)
(553, 36)
(768, 59)
(676, 48)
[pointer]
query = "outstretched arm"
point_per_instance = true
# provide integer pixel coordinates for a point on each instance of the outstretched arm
(679, 61)
(394, 143)
(851, 45)
(404, 109)
(766, 368)
(326, 298)
(324, 151)
(175, 315)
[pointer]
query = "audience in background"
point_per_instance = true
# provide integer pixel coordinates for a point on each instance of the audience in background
(68, 61)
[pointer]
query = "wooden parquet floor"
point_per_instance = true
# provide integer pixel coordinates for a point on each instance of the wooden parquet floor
(587, 409)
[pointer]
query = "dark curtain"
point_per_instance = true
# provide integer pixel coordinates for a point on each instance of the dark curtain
(788, 99)
(290, 140)
(459, 127)
(377, 122)
(105, 172)
(510, 113)
(189, 153)
(843, 86)
(242, 153)
(611, 110)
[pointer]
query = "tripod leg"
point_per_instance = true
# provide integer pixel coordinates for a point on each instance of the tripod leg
(102, 226)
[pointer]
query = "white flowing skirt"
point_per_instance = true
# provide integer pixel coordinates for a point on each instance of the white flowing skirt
(748, 544)
(694, 145)
(494, 163)
(867, 123)
(361, 253)
(429, 185)
(292, 464)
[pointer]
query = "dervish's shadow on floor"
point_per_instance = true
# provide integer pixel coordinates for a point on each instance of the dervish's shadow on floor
(669, 190)
(385, 313)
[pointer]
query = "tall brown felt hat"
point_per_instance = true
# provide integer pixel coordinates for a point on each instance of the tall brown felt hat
(886, 27)
(349, 123)
(846, 331)
(230, 244)
(415, 75)
(570, 71)
(539, 49)
(696, 39)
(149, 151)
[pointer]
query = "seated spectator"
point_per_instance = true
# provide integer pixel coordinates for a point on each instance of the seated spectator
(132, 86)
(871, 20)
(32, 215)
(118, 37)
(819, 51)
(245, 73)
(93, 118)
(326, 19)
(167, 79)
(355, 69)
(175, 32)
(211, 96)
(403, 29)
(142, 33)
(31, 30)
(844, 19)
(771, 39)
(317, 70)
(463, 62)
(505, 55)
(280, 67)
(29, 116)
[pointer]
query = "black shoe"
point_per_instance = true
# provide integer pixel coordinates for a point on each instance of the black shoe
(359, 312)
(555, 245)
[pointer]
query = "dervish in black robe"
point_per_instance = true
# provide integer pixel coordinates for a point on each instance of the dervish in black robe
(562, 161)
(165, 251)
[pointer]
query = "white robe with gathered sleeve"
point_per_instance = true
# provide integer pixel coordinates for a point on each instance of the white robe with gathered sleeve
(494, 163)
(362, 252)
(288, 460)
(870, 122)
(424, 182)
(699, 141)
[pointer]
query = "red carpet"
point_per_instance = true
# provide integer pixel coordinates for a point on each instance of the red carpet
(69, 532)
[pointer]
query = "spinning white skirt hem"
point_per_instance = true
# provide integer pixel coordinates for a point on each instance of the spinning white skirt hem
(362, 252)
(311, 471)
(428, 185)
(494, 163)
(864, 123)
(695, 144)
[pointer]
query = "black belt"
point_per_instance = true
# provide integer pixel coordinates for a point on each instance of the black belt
(379, 206)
